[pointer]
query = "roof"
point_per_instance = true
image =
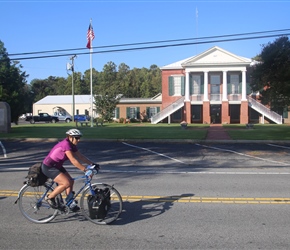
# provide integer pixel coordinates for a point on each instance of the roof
(176, 65)
(64, 99)
(212, 56)
(84, 99)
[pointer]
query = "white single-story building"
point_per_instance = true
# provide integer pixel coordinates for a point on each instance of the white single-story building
(127, 108)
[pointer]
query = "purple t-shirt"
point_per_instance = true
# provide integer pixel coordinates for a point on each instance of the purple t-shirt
(57, 156)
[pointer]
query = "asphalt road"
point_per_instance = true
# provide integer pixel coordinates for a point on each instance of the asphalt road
(176, 196)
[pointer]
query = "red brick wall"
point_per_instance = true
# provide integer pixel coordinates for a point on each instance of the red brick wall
(166, 99)
(244, 118)
(225, 113)
(141, 106)
(206, 112)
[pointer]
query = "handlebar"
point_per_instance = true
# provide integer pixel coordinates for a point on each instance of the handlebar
(92, 169)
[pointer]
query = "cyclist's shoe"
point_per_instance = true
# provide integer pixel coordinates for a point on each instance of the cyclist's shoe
(51, 202)
(75, 209)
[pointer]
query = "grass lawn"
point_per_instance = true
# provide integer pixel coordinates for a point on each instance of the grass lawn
(259, 132)
(108, 131)
(147, 131)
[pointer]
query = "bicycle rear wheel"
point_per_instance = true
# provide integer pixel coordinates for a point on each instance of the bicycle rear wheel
(113, 209)
(33, 206)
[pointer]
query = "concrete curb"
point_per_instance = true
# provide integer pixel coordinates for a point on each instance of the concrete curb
(192, 141)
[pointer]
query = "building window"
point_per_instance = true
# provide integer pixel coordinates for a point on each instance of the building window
(215, 82)
(235, 84)
(153, 111)
(116, 113)
(176, 85)
(196, 84)
(133, 113)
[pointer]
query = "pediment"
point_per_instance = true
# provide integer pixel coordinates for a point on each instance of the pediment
(215, 56)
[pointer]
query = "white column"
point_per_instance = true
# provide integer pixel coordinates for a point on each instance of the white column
(187, 89)
(244, 89)
(225, 86)
(205, 96)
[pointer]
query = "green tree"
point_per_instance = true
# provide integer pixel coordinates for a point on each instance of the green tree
(123, 78)
(43, 87)
(87, 81)
(156, 79)
(79, 88)
(106, 105)
(271, 74)
(50, 86)
(12, 84)
(108, 92)
(135, 83)
(60, 85)
(109, 84)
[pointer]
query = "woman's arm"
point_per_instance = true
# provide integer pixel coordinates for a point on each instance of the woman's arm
(83, 158)
(75, 161)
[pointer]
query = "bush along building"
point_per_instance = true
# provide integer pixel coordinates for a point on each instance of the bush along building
(212, 87)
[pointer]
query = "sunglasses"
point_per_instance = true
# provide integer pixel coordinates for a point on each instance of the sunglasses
(77, 137)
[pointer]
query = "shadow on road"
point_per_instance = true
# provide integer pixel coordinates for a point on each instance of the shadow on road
(147, 208)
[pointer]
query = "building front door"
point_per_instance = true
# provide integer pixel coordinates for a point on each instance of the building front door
(215, 113)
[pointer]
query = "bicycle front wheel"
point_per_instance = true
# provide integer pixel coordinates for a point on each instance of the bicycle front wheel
(33, 206)
(113, 206)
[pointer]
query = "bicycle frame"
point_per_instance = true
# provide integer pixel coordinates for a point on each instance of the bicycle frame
(86, 183)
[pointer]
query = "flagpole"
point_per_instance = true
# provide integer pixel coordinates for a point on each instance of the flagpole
(91, 77)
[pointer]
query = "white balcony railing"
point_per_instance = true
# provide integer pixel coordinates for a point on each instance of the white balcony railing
(215, 97)
(198, 97)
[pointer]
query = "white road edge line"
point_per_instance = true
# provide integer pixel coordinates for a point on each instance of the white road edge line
(278, 146)
(235, 152)
(146, 149)
(4, 150)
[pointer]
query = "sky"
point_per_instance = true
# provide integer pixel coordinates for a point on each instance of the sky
(37, 26)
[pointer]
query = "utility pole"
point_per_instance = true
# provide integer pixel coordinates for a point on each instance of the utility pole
(72, 86)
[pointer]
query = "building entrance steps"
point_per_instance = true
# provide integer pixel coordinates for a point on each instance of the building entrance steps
(217, 132)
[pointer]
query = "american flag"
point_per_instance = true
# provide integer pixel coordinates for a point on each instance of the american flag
(90, 36)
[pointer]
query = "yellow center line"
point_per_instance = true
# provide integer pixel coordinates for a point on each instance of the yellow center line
(184, 199)
(195, 199)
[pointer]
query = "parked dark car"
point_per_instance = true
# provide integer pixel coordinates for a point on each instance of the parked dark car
(42, 117)
(82, 118)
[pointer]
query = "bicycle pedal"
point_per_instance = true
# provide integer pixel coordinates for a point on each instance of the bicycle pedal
(63, 209)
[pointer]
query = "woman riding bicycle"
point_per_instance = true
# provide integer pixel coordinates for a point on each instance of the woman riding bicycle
(52, 166)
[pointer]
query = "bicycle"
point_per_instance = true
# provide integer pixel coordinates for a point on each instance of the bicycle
(100, 203)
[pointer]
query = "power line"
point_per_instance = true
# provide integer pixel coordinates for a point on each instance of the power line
(156, 46)
(144, 43)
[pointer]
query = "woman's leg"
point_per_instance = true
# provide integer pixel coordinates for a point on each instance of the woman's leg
(63, 182)
(70, 188)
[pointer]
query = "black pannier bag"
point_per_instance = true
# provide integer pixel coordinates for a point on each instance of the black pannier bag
(99, 204)
(35, 176)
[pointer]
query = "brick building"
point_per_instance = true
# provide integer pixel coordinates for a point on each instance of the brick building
(212, 87)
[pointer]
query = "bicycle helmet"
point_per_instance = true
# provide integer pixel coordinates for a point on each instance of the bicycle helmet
(74, 132)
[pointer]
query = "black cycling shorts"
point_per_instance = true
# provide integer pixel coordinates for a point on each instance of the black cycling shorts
(52, 172)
